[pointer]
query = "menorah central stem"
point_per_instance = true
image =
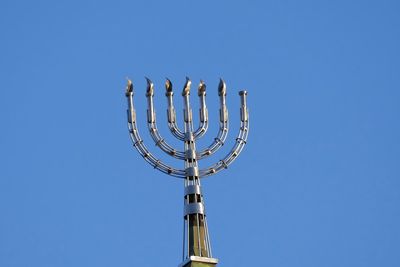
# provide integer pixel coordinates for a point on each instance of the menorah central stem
(196, 238)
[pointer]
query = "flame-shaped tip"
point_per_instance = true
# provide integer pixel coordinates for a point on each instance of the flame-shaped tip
(129, 87)
(168, 85)
(221, 88)
(148, 81)
(186, 87)
(150, 87)
(202, 88)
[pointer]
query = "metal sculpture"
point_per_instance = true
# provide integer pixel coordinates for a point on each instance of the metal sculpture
(196, 240)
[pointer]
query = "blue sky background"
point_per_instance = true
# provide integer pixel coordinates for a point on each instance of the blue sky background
(317, 185)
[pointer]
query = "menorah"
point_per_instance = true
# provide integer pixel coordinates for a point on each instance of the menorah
(196, 240)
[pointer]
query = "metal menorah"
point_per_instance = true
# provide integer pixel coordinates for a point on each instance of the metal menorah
(196, 240)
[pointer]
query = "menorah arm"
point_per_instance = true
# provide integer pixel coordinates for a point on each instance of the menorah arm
(162, 144)
(231, 156)
(202, 129)
(152, 125)
(144, 152)
(239, 144)
(217, 143)
(173, 127)
(138, 142)
(223, 125)
(171, 113)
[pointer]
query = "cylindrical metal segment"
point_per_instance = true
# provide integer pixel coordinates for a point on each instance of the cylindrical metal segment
(190, 154)
(202, 114)
(243, 114)
(223, 114)
(192, 171)
(171, 114)
(150, 116)
(128, 112)
(192, 189)
(189, 137)
(193, 208)
(187, 115)
(243, 98)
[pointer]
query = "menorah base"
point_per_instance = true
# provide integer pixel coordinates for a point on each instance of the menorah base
(195, 261)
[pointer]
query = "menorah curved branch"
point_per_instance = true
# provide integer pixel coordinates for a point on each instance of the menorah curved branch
(152, 125)
(239, 145)
(223, 124)
(196, 242)
(171, 113)
(202, 129)
(138, 142)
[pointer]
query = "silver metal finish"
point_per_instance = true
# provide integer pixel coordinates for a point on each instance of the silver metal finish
(171, 111)
(202, 129)
(192, 189)
(194, 208)
(192, 171)
(190, 154)
(196, 239)
(189, 137)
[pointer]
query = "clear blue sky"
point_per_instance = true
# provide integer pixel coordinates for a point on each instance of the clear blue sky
(317, 185)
